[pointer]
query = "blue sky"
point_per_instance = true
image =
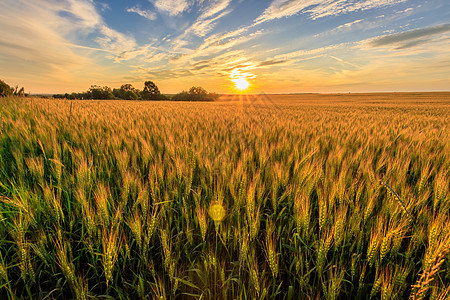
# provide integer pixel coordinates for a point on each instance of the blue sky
(277, 46)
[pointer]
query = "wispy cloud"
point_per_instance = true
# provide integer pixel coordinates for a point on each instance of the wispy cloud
(271, 62)
(412, 44)
(412, 37)
(349, 24)
(319, 8)
(115, 41)
(210, 13)
(172, 7)
(216, 43)
(42, 41)
(143, 13)
(404, 11)
(309, 52)
(104, 6)
(158, 57)
(144, 51)
(213, 8)
(84, 12)
(203, 26)
(33, 49)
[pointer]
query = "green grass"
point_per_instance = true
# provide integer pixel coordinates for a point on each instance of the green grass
(120, 199)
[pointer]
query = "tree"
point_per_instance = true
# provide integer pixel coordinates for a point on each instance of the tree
(198, 90)
(127, 87)
(151, 91)
(129, 95)
(183, 96)
(5, 90)
(195, 94)
(118, 93)
(99, 92)
(126, 92)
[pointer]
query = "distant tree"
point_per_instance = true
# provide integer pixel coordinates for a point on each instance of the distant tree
(82, 96)
(198, 90)
(5, 90)
(151, 91)
(127, 87)
(195, 94)
(99, 92)
(183, 96)
(73, 96)
(118, 93)
(126, 92)
(129, 95)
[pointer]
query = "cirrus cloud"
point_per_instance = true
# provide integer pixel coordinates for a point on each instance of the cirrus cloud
(143, 13)
(319, 8)
(172, 7)
(412, 37)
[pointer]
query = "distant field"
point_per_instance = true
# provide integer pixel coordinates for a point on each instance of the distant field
(440, 98)
(266, 196)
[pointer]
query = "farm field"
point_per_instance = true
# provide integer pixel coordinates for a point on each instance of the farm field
(323, 196)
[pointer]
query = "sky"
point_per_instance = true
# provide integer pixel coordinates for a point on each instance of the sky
(274, 46)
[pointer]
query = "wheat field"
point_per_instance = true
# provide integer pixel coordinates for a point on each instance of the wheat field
(342, 196)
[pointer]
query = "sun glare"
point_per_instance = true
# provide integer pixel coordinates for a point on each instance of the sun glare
(241, 84)
(240, 77)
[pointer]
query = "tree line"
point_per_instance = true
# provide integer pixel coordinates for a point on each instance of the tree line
(149, 92)
(125, 92)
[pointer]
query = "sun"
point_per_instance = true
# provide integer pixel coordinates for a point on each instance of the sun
(241, 84)
(241, 78)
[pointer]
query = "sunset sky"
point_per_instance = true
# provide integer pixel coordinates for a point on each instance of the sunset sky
(277, 46)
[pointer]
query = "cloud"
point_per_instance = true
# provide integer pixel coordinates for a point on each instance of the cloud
(162, 74)
(346, 25)
(144, 13)
(408, 36)
(310, 52)
(212, 12)
(87, 21)
(104, 6)
(33, 49)
(172, 7)
(145, 51)
(319, 8)
(157, 57)
(82, 19)
(84, 12)
(218, 65)
(284, 8)
(115, 41)
(203, 26)
(215, 44)
(42, 44)
(214, 8)
(412, 44)
(271, 62)
(404, 11)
